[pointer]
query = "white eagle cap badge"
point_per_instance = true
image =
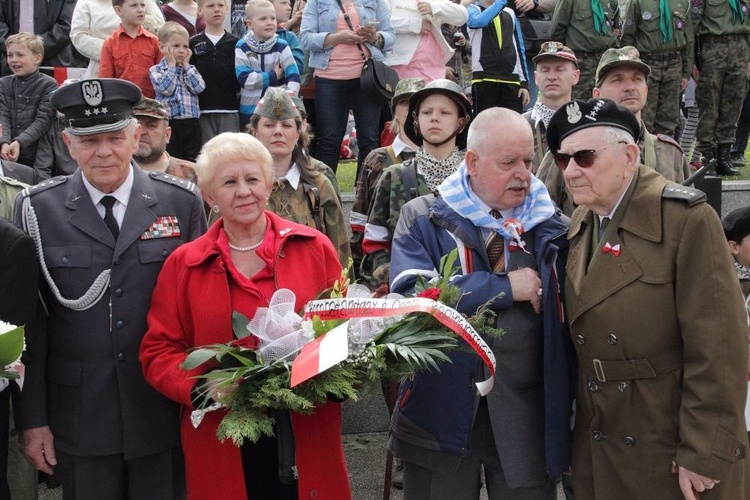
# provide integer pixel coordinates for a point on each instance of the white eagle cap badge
(92, 92)
(574, 112)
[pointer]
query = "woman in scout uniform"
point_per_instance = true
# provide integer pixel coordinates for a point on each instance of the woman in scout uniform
(300, 192)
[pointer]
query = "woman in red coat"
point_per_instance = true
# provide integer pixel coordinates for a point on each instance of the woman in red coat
(237, 265)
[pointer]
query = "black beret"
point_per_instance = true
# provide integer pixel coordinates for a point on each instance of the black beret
(96, 106)
(737, 224)
(578, 115)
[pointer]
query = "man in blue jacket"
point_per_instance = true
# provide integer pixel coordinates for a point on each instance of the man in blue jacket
(512, 246)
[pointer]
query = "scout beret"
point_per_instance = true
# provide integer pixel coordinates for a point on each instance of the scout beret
(614, 58)
(737, 224)
(276, 104)
(96, 106)
(151, 108)
(578, 115)
(556, 50)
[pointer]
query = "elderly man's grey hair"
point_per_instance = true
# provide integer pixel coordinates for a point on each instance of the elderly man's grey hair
(614, 135)
(481, 131)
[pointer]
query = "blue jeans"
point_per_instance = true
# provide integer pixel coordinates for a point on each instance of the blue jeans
(333, 100)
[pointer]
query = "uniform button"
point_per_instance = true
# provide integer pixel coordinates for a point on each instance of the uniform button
(581, 340)
(593, 387)
(119, 325)
(629, 441)
(118, 292)
(65, 260)
(598, 435)
(622, 387)
(313, 494)
(165, 253)
(612, 339)
(738, 452)
(117, 261)
(121, 357)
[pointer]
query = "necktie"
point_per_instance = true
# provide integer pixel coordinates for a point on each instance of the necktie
(26, 16)
(109, 216)
(496, 248)
(603, 226)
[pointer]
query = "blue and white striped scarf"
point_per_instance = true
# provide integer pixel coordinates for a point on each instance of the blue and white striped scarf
(537, 207)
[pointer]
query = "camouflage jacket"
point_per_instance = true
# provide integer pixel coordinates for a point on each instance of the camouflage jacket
(9, 189)
(388, 198)
(668, 160)
(296, 205)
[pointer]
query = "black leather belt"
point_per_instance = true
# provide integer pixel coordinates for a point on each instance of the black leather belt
(660, 56)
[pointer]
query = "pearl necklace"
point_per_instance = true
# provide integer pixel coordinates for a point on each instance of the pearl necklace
(245, 249)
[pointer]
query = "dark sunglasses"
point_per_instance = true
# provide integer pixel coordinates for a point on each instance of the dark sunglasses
(584, 158)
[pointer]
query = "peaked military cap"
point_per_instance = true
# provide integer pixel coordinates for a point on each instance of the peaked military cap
(615, 58)
(555, 50)
(151, 108)
(578, 115)
(96, 106)
(276, 104)
(737, 224)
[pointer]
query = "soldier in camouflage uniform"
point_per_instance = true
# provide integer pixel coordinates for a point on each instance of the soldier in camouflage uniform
(588, 32)
(662, 31)
(378, 160)
(621, 77)
(723, 28)
(301, 193)
(437, 122)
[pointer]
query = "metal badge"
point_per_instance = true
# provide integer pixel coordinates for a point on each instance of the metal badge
(647, 16)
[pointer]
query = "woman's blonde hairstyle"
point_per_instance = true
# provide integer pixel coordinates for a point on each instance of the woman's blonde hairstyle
(227, 147)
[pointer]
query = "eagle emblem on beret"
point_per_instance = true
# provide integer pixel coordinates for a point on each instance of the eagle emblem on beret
(92, 92)
(574, 112)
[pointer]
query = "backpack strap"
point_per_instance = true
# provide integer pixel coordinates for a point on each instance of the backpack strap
(313, 200)
(409, 178)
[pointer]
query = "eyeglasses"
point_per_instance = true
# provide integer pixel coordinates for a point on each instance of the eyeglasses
(584, 158)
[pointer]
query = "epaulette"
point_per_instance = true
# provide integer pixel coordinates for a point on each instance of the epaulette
(13, 182)
(687, 194)
(171, 179)
(44, 185)
(670, 140)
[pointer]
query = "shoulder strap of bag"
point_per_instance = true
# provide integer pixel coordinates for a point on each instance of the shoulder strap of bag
(409, 178)
(349, 23)
(313, 198)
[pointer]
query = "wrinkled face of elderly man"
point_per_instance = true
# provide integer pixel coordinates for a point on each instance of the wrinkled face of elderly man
(498, 159)
(603, 160)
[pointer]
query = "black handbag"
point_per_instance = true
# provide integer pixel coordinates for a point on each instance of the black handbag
(377, 79)
(536, 31)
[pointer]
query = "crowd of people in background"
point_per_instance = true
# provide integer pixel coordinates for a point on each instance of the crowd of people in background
(164, 157)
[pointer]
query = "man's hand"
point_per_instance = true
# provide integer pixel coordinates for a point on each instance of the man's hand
(524, 5)
(37, 445)
(523, 94)
(692, 483)
(525, 285)
(11, 151)
(424, 8)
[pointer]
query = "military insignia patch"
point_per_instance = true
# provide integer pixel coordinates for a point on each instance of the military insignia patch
(163, 227)
(574, 112)
(92, 92)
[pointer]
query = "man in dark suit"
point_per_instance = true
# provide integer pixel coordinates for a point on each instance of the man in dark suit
(19, 275)
(50, 20)
(86, 411)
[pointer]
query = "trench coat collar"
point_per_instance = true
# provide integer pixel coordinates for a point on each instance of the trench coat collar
(138, 215)
(642, 219)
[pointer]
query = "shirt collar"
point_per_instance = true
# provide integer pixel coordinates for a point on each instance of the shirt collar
(400, 146)
(121, 194)
(292, 176)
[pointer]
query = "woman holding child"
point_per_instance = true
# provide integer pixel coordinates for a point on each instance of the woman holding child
(239, 263)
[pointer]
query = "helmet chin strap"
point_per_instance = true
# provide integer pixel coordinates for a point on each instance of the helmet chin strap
(450, 138)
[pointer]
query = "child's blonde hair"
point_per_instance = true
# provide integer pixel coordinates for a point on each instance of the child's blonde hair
(254, 5)
(201, 2)
(169, 29)
(29, 40)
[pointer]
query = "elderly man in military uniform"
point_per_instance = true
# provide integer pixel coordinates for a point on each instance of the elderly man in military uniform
(102, 235)
(657, 320)
(723, 30)
(588, 27)
(555, 73)
(662, 31)
(622, 77)
(152, 153)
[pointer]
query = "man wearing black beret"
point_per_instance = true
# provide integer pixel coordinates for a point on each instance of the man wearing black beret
(102, 235)
(657, 320)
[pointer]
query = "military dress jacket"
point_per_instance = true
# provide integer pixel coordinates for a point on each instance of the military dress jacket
(661, 336)
(84, 379)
